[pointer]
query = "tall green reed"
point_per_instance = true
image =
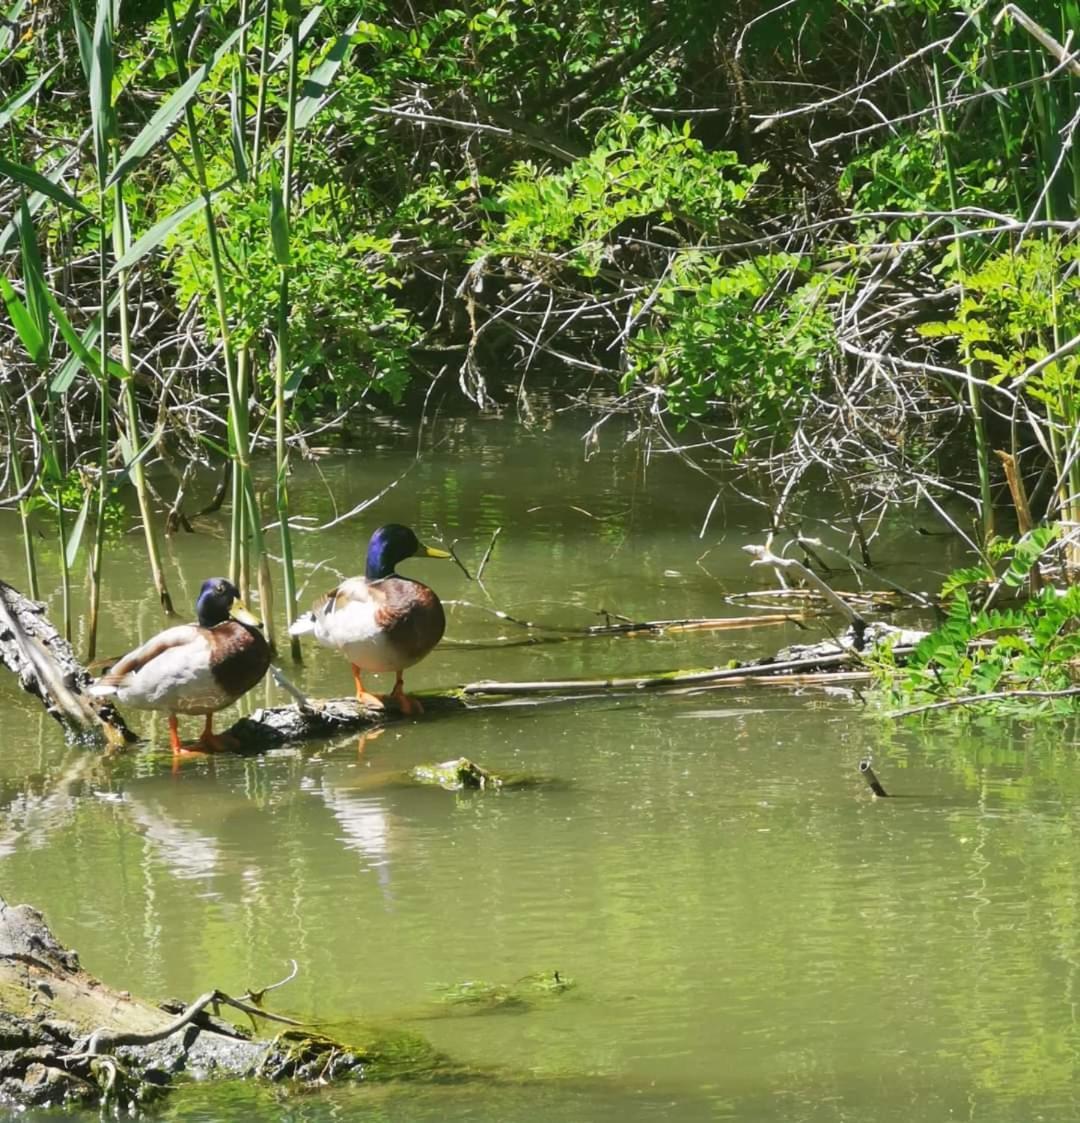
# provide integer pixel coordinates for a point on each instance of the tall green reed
(280, 199)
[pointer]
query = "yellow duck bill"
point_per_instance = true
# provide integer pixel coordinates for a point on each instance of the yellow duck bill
(240, 611)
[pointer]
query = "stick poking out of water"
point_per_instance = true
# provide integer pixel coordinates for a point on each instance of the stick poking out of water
(873, 782)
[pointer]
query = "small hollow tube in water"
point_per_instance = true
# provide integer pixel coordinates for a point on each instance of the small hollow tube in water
(872, 780)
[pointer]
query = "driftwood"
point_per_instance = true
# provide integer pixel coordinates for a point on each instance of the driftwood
(65, 1037)
(32, 649)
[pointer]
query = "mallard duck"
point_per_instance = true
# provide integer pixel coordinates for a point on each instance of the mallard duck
(381, 621)
(194, 668)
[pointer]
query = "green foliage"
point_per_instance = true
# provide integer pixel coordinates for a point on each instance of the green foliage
(740, 339)
(907, 173)
(347, 331)
(636, 169)
(977, 651)
(1012, 308)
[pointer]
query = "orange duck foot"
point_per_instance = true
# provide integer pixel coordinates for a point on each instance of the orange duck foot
(209, 741)
(365, 697)
(409, 706)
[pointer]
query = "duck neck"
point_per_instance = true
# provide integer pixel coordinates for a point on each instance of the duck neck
(209, 615)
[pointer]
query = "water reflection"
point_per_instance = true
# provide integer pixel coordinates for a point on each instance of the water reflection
(753, 937)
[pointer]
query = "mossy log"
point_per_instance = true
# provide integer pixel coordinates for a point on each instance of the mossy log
(66, 1038)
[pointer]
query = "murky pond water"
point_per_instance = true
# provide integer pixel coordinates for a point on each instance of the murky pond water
(751, 936)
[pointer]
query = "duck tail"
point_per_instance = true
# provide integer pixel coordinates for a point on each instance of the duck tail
(303, 625)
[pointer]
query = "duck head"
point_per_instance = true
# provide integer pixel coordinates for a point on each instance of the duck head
(391, 544)
(219, 599)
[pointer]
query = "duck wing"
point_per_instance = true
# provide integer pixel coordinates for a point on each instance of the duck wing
(154, 648)
(328, 610)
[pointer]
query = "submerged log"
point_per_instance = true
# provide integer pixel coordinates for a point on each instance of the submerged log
(67, 1038)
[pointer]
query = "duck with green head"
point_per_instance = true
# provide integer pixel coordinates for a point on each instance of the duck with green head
(381, 621)
(194, 668)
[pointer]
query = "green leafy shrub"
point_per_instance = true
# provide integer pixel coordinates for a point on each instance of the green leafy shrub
(978, 651)
(729, 338)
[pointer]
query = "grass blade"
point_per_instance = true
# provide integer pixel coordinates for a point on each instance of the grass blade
(317, 85)
(90, 357)
(169, 112)
(24, 324)
(279, 221)
(77, 530)
(71, 366)
(33, 270)
(305, 30)
(103, 118)
(236, 128)
(156, 235)
(50, 466)
(133, 456)
(82, 37)
(28, 177)
(15, 103)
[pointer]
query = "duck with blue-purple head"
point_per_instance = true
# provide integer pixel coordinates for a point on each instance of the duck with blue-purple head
(381, 621)
(194, 668)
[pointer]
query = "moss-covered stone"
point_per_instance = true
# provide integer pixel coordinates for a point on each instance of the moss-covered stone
(477, 996)
(462, 773)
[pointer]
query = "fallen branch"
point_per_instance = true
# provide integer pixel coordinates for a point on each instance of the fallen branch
(762, 555)
(975, 699)
(628, 629)
(760, 672)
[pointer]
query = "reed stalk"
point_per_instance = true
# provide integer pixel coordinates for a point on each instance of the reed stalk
(280, 236)
(97, 552)
(131, 412)
(975, 405)
(24, 509)
(100, 76)
(238, 428)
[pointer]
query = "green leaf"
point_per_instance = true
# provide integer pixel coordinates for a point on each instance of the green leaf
(316, 86)
(50, 466)
(308, 23)
(23, 322)
(169, 110)
(279, 221)
(82, 36)
(90, 357)
(33, 270)
(77, 530)
(28, 177)
(156, 235)
(137, 456)
(71, 366)
(102, 116)
(236, 129)
(16, 102)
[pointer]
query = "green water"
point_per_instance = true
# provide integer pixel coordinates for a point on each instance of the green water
(752, 937)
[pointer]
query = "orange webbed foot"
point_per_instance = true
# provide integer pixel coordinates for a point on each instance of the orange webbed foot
(217, 743)
(366, 699)
(409, 706)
